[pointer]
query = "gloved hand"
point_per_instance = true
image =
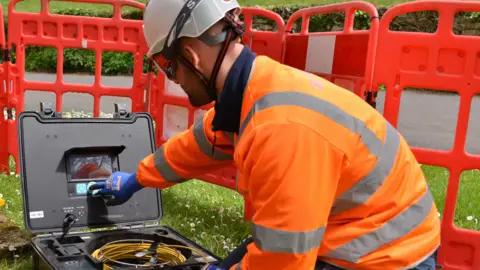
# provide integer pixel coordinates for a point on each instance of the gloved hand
(119, 186)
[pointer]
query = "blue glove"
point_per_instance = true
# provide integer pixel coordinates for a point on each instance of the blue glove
(119, 188)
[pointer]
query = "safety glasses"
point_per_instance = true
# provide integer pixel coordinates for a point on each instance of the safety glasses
(168, 67)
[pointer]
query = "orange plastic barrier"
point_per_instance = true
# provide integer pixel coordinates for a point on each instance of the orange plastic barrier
(4, 106)
(442, 61)
(343, 57)
(67, 31)
(260, 41)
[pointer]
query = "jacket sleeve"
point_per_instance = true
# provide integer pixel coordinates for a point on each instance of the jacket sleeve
(187, 155)
(292, 174)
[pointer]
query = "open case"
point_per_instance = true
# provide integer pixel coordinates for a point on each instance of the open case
(59, 158)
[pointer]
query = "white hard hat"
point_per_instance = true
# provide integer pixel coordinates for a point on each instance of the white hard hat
(161, 15)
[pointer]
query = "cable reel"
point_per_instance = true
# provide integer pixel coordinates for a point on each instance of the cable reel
(142, 254)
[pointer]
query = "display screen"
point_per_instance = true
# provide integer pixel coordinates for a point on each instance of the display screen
(89, 167)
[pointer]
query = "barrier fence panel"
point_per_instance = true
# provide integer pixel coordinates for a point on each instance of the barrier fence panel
(442, 61)
(65, 32)
(4, 105)
(344, 57)
(264, 42)
(172, 112)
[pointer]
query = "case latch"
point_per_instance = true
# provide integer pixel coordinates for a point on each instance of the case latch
(121, 111)
(46, 109)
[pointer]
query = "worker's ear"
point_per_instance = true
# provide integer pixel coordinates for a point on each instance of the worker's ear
(192, 56)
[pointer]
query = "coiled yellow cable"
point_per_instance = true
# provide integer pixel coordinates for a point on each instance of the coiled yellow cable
(118, 251)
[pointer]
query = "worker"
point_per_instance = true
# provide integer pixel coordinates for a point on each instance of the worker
(333, 184)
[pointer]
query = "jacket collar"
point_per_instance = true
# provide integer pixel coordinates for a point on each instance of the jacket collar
(229, 106)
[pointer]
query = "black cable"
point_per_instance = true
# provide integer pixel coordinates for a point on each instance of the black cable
(68, 222)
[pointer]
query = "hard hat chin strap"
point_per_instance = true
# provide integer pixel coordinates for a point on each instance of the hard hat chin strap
(233, 30)
(230, 33)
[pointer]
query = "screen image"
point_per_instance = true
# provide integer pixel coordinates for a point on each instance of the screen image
(92, 166)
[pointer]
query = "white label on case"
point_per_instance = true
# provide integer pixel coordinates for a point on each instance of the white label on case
(36, 214)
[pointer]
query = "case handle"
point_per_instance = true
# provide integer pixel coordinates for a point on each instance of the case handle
(46, 110)
(121, 111)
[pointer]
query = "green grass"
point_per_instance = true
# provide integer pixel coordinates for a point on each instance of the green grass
(34, 5)
(212, 215)
(23, 263)
(467, 213)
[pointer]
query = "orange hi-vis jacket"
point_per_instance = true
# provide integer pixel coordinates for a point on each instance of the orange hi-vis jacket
(328, 177)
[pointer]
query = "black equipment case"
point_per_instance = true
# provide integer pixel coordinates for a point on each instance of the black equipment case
(55, 153)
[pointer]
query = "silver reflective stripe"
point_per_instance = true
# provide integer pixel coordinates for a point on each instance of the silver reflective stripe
(239, 266)
(205, 145)
(396, 228)
(372, 142)
(164, 168)
(386, 152)
(366, 187)
(273, 240)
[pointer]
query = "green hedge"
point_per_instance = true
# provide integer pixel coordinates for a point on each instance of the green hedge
(43, 59)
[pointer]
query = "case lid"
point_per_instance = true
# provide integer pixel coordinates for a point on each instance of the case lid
(59, 157)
